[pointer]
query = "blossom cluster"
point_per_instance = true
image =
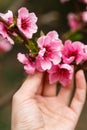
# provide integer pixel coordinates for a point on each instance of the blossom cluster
(76, 19)
(56, 58)
(46, 54)
(25, 22)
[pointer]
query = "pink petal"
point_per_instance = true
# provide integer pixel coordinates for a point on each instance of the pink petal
(29, 69)
(66, 77)
(22, 58)
(53, 34)
(8, 16)
(23, 12)
(4, 33)
(46, 64)
(56, 59)
(73, 21)
(5, 46)
(84, 16)
(41, 42)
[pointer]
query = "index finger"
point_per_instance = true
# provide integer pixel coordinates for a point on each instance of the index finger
(30, 86)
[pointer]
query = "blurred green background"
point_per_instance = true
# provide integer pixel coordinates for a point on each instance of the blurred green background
(51, 16)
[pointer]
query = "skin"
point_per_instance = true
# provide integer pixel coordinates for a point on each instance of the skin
(37, 107)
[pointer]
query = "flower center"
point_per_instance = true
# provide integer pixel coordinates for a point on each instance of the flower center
(47, 52)
(25, 23)
(73, 53)
(63, 72)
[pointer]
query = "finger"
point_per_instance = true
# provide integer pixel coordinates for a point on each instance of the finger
(49, 89)
(31, 85)
(80, 94)
(40, 90)
(65, 93)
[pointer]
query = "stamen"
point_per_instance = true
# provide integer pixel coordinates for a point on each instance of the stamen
(25, 23)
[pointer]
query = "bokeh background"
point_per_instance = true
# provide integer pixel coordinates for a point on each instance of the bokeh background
(51, 16)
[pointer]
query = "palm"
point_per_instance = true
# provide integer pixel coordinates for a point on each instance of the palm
(48, 113)
(53, 114)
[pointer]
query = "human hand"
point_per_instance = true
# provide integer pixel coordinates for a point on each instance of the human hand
(36, 107)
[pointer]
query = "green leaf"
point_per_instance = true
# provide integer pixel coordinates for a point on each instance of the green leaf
(17, 39)
(32, 47)
(76, 36)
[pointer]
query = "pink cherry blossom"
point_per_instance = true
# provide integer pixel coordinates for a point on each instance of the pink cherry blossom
(50, 47)
(84, 16)
(73, 21)
(84, 1)
(73, 52)
(29, 65)
(4, 45)
(61, 73)
(26, 22)
(4, 33)
(7, 16)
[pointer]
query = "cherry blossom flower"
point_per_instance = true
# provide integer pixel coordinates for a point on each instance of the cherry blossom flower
(84, 16)
(73, 52)
(84, 1)
(50, 47)
(8, 17)
(5, 46)
(73, 21)
(4, 33)
(61, 73)
(29, 65)
(26, 22)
